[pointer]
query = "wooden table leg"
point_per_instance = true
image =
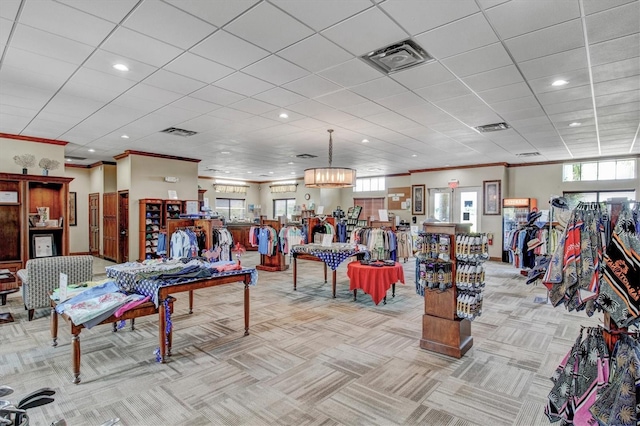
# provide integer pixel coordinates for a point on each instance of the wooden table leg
(162, 325)
(295, 272)
(54, 327)
(75, 354)
(333, 281)
(190, 301)
(355, 292)
(393, 290)
(325, 275)
(246, 306)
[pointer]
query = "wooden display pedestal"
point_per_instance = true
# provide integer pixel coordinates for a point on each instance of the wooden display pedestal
(276, 262)
(272, 268)
(448, 337)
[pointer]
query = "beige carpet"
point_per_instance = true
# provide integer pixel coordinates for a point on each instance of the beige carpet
(309, 360)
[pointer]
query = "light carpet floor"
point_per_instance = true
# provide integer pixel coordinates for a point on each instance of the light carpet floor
(309, 360)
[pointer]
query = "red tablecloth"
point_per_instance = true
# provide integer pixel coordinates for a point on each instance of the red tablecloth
(374, 280)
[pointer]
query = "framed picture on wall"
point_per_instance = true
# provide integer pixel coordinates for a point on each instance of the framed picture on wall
(491, 196)
(72, 209)
(43, 245)
(418, 204)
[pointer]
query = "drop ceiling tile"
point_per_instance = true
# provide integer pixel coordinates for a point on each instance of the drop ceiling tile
(364, 109)
(479, 60)
(38, 64)
(194, 104)
(523, 113)
(392, 120)
(244, 84)
(615, 50)
(217, 95)
(309, 123)
(312, 86)
(274, 114)
(145, 91)
(547, 41)
(341, 99)
(104, 61)
(569, 94)
(515, 104)
(95, 85)
(423, 75)
(279, 96)
(617, 86)
(457, 37)
(334, 116)
(253, 106)
(617, 98)
(574, 78)
(144, 105)
(555, 64)
(168, 24)
(379, 88)
(16, 111)
(613, 23)
(174, 82)
(230, 114)
(9, 9)
(322, 14)
(257, 26)
(595, 6)
(511, 91)
(515, 18)
(275, 70)
(494, 78)
(315, 53)
(199, 68)
(584, 104)
(615, 70)
(417, 16)
(618, 108)
(5, 31)
(23, 77)
(175, 114)
(65, 21)
(350, 73)
(402, 100)
(365, 32)
(218, 13)
(229, 50)
(144, 49)
(47, 44)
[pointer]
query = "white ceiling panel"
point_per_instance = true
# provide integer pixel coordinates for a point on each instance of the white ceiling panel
(166, 116)
(365, 109)
(60, 71)
(595, 6)
(458, 37)
(229, 50)
(518, 17)
(417, 16)
(365, 32)
(615, 50)
(217, 95)
(615, 70)
(619, 85)
(341, 99)
(555, 39)
(72, 106)
(145, 91)
(503, 93)
(494, 78)
(315, 53)
(379, 88)
(194, 104)
(113, 11)
(423, 75)
(253, 106)
(275, 70)
(312, 86)
(65, 21)
(244, 84)
(617, 98)
(199, 68)
(5, 31)
(279, 96)
(479, 60)
(320, 14)
(350, 73)
(613, 23)
(555, 64)
(219, 13)
(257, 26)
(403, 100)
(569, 94)
(140, 47)
(107, 82)
(230, 114)
(573, 78)
(174, 82)
(169, 24)
(104, 61)
(515, 104)
(20, 76)
(9, 9)
(49, 45)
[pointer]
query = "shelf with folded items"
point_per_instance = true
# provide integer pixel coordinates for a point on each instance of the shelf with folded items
(150, 226)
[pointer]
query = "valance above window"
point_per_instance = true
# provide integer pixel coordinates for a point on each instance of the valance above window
(230, 189)
(283, 188)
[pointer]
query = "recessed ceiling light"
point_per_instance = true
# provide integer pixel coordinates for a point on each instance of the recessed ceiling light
(559, 83)
(414, 155)
(365, 140)
(121, 67)
(125, 136)
(575, 124)
(92, 150)
(249, 172)
(69, 159)
(290, 162)
(284, 115)
(227, 171)
(225, 152)
(270, 173)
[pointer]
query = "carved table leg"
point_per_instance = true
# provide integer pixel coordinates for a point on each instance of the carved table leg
(162, 324)
(333, 282)
(393, 290)
(54, 327)
(295, 272)
(246, 307)
(190, 301)
(75, 353)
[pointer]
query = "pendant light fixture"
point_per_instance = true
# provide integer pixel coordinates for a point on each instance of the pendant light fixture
(330, 177)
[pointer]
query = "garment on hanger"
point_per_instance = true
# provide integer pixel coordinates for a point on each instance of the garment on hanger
(290, 236)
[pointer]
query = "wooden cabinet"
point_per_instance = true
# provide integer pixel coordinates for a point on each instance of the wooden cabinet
(172, 210)
(442, 330)
(151, 220)
(20, 198)
(240, 234)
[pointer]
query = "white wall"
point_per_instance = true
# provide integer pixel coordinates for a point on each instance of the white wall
(12, 147)
(81, 185)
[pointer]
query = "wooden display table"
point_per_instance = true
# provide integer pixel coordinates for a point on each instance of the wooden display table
(8, 285)
(374, 280)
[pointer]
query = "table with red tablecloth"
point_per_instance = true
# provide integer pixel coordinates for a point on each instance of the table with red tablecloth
(374, 280)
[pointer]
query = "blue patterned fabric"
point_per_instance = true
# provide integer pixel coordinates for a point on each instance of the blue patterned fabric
(332, 255)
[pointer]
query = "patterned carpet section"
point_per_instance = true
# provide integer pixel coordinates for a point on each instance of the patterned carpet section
(309, 360)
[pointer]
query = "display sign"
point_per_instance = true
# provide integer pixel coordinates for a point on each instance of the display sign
(64, 280)
(8, 196)
(516, 202)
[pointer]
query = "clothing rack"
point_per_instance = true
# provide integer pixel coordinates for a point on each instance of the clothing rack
(277, 261)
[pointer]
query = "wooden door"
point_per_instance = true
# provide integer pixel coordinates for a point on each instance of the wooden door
(110, 225)
(123, 226)
(94, 224)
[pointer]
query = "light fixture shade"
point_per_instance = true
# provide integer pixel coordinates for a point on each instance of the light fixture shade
(329, 177)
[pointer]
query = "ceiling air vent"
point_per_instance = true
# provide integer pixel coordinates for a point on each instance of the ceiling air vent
(306, 156)
(493, 127)
(71, 157)
(397, 56)
(528, 154)
(179, 132)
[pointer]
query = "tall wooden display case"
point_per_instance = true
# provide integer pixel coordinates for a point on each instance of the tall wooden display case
(442, 330)
(172, 210)
(151, 223)
(277, 261)
(21, 238)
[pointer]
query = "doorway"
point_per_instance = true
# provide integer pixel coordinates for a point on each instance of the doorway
(110, 226)
(123, 226)
(94, 224)
(459, 205)
(467, 200)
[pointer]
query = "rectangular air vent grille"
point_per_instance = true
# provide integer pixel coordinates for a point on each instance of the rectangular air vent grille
(71, 157)
(528, 154)
(493, 127)
(179, 132)
(306, 156)
(397, 57)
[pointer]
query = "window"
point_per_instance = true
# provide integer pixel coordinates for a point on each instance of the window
(230, 208)
(284, 208)
(573, 198)
(599, 170)
(369, 184)
(370, 207)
